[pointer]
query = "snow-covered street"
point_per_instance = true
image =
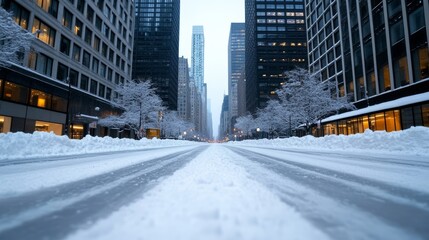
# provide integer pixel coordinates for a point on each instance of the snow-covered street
(241, 190)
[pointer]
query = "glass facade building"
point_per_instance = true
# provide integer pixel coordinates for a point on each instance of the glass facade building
(197, 59)
(275, 43)
(375, 51)
(156, 46)
(236, 61)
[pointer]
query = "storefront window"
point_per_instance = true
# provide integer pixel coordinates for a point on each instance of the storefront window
(59, 104)
(1, 87)
(49, 127)
(15, 92)
(379, 122)
(330, 129)
(40, 99)
(425, 114)
(365, 123)
(342, 127)
(77, 131)
(390, 121)
(371, 122)
(407, 118)
(418, 121)
(5, 123)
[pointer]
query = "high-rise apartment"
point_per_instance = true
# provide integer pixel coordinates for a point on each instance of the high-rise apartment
(376, 52)
(275, 43)
(156, 46)
(82, 51)
(197, 59)
(236, 66)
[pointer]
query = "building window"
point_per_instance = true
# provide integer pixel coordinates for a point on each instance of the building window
(109, 96)
(96, 43)
(67, 19)
(417, 20)
(84, 80)
(44, 64)
(425, 115)
(5, 123)
(78, 28)
(76, 52)
(73, 77)
(20, 15)
(98, 23)
(89, 14)
(14, 92)
(40, 99)
(400, 69)
(101, 89)
(49, 127)
(62, 72)
(81, 6)
(50, 6)
(93, 87)
(95, 64)
(420, 63)
(396, 32)
(86, 59)
(45, 33)
(88, 35)
(102, 71)
(59, 104)
(65, 45)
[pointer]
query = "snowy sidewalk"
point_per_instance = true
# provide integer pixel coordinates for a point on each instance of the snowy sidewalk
(211, 198)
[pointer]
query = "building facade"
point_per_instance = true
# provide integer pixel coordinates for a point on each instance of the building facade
(376, 52)
(224, 120)
(82, 51)
(156, 46)
(184, 92)
(275, 43)
(236, 66)
(197, 59)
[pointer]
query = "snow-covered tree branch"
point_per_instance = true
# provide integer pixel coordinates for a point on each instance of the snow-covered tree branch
(173, 126)
(13, 39)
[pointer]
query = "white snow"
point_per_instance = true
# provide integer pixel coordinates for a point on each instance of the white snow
(221, 195)
(40, 144)
(211, 198)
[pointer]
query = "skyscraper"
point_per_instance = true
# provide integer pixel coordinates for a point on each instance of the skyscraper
(184, 92)
(236, 63)
(275, 42)
(156, 46)
(376, 52)
(197, 59)
(82, 51)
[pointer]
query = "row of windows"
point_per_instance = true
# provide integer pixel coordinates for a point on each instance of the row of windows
(17, 93)
(279, 6)
(280, 21)
(282, 44)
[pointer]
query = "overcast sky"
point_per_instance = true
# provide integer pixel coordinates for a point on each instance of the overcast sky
(216, 17)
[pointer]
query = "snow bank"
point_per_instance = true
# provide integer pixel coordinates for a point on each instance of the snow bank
(41, 144)
(413, 141)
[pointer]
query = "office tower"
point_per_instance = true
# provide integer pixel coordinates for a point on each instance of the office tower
(236, 66)
(275, 43)
(184, 92)
(83, 50)
(197, 59)
(224, 120)
(156, 46)
(375, 52)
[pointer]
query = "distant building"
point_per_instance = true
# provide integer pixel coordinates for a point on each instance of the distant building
(375, 52)
(236, 66)
(197, 59)
(184, 91)
(82, 52)
(276, 42)
(156, 46)
(224, 120)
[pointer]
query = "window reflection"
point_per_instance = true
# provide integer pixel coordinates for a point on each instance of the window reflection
(40, 99)
(15, 92)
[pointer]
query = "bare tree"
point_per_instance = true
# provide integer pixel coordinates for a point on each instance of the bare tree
(13, 39)
(273, 119)
(246, 124)
(142, 107)
(173, 126)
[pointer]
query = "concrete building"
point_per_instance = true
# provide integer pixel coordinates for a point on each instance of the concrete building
(236, 66)
(82, 52)
(377, 54)
(275, 43)
(156, 46)
(224, 120)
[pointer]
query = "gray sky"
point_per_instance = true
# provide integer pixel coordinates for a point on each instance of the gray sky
(216, 17)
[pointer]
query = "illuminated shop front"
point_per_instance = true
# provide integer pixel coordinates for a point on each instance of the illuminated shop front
(390, 116)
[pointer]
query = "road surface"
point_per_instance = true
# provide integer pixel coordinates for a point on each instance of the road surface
(340, 195)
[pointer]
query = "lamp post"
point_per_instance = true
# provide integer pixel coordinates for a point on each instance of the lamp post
(67, 124)
(257, 132)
